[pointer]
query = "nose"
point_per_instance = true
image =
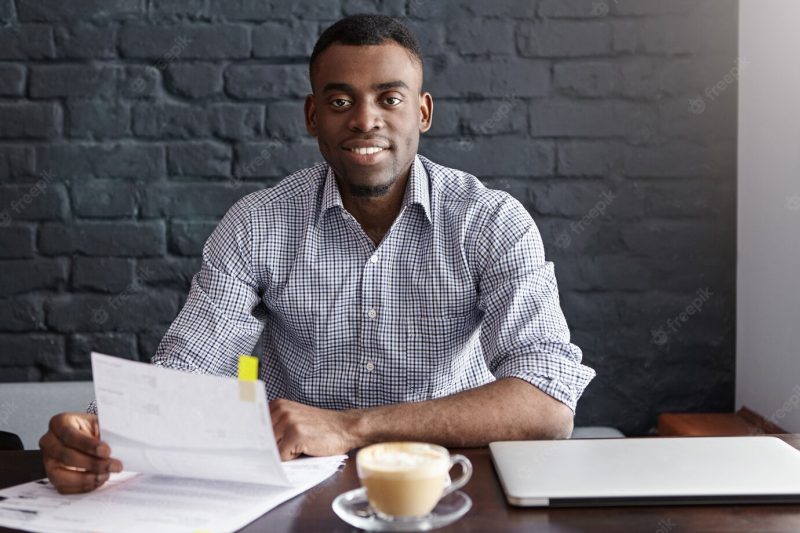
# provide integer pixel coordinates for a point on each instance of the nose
(365, 116)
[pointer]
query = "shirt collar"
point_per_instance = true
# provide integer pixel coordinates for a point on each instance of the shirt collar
(417, 190)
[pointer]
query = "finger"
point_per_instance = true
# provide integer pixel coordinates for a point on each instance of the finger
(79, 434)
(68, 481)
(90, 463)
(288, 450)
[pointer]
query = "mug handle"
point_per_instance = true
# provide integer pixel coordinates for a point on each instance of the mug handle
(466, 473)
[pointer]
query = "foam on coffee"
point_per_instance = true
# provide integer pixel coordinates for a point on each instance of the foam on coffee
(404, 458)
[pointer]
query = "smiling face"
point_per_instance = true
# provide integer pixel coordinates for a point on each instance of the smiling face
(367, 112)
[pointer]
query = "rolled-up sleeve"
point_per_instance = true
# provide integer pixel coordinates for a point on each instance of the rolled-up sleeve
(524, 333)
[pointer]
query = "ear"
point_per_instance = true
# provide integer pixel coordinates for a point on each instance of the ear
(311, 115)
(425, 112)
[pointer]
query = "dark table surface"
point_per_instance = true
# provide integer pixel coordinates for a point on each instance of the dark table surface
(311, 511)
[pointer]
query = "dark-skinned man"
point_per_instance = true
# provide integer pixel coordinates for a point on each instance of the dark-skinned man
(389, 297)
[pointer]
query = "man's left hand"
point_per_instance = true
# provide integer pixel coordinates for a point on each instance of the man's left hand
(300, 429)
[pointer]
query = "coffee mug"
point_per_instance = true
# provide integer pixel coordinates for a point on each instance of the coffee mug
(407, 479)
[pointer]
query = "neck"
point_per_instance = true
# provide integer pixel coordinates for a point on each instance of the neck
(376, 214)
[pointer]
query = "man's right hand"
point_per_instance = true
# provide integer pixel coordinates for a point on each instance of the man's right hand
(75, 458)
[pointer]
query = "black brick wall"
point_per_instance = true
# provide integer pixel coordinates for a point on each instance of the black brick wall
(128, 127)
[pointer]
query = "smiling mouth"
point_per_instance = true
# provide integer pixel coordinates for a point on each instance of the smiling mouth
(366, 151)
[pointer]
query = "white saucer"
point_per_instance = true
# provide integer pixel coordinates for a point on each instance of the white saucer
(353, 508)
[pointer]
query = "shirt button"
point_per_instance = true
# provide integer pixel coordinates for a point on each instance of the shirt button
(370, 367)
(373, 259)
(372, 313)
(345, 215)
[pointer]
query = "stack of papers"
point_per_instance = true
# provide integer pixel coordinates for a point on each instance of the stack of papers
(198, 451)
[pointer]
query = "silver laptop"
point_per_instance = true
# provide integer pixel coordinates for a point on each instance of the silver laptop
(648, 471)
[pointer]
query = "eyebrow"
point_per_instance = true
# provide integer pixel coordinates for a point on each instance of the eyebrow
(347, 88)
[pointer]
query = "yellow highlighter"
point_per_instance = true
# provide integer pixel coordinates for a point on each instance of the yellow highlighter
(248, 377)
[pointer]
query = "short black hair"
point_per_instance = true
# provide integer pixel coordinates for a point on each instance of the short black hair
(364, 30)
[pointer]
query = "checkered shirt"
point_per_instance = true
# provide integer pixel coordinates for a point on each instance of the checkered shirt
(456, 295)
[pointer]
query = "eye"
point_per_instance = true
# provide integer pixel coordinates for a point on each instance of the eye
(340, 103)
(392, 100)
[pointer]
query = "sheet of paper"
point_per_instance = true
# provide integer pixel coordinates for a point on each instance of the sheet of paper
(131, 502)
(168, 422)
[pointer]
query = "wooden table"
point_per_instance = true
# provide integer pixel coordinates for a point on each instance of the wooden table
(311, 511)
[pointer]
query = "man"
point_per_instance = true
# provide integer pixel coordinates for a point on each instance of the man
(390, 298)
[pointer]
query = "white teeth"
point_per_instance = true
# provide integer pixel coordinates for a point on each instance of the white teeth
(367, 151)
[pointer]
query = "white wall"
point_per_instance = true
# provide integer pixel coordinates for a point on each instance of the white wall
(768, 275)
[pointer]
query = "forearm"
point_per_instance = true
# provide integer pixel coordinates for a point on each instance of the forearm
(507, 409)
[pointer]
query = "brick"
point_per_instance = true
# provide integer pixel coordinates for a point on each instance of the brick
(36, 349)
(593, 79)
(187, 41)
(55, 10)
(447, 118)
(286, 120)
(501, 77)
(16, 161)
(431, 37)
(104, 274)
(675, 160)
(194, 80)
(588, 158)
(29, 120)
(496, 117)
(392, 8)
(191, 9)
(26, 41)
(25, 275)
(82, 81)
(511, 156)
(425, 9)
(564, 118)
(149, 341)
(104, 199)
(170, 121)
(618, 272)
(173, 272)
(274, 159)
(624, 36)
(7, 11)
(82, 41)
(139, 83)
(92, 119)
(192, 200)
(653, 7)
(42, 200)
(584, 203)
(200, 158)
(679, 198)
(117, 239)
(22, 313)
(135, 310)
(237, 121)
(267, 81)
(667, 238)
(102, 160)
(15, 374)
(566, 239)
(717, 122)
(81, 346)
(255, 10)
(188, 238)
(573, 8)
(564, 38)
(12, 80)
(280, 39)
(476, 36)
(16, 242)
(309, 9)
